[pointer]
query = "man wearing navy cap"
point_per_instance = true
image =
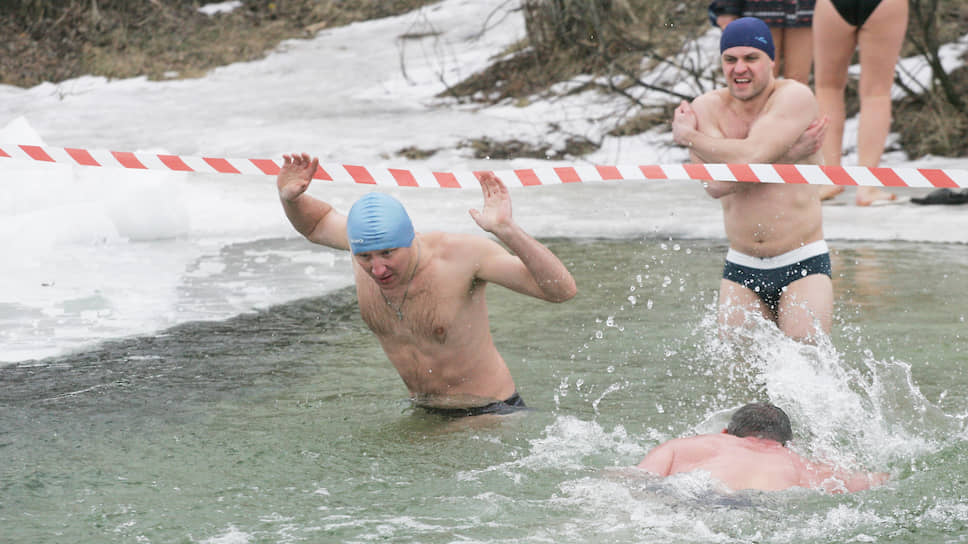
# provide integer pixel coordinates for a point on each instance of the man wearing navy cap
(423, 294)
(778, 265)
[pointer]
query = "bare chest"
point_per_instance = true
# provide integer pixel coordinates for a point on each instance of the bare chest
(426, 317)
(735, 126)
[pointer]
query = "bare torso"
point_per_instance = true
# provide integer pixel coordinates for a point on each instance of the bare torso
(425, 301)
(769, 219)
(761, 219)
(442, 348)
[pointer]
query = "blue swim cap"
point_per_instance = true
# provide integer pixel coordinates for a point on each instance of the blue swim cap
(378, 221)
(747, 32)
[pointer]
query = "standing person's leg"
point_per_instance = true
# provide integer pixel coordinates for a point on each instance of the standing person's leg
(779, 49)
(834, 42)
(805, 305)
(798, 53)
(880, 39)
(737, 303)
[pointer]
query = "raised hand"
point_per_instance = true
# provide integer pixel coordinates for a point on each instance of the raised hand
(497, 203)
(295, 176)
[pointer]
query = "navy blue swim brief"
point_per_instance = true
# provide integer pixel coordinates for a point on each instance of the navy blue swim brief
(768, 277)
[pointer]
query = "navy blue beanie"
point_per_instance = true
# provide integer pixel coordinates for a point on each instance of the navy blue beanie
(747, 32)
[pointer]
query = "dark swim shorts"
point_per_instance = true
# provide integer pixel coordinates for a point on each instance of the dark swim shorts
(769, 277)
(775, 13)
(514, 403)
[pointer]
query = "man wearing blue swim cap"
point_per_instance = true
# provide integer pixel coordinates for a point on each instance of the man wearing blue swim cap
(778, 265)
(423, 295)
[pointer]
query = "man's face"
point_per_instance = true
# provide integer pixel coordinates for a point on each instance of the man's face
(748, 71)
(387, 267)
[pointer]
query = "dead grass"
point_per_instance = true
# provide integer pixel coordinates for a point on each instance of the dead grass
(486, 148)
(927, 126)
(620, 34)
(644, 121)
(594, 44)
(56, 40)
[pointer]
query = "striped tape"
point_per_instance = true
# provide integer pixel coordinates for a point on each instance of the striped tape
(422, 177)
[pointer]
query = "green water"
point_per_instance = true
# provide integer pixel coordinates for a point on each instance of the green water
(288, 425)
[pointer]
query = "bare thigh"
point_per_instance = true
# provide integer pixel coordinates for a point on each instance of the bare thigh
(880, 40)
(737, 302)
(834, 43)
(806, 307)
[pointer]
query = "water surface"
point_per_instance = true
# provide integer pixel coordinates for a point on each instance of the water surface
(288, 424)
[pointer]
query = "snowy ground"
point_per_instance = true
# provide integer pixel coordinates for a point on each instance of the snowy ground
(95, 253)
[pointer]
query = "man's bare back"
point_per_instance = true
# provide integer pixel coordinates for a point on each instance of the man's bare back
(751, 455)
(739, 463)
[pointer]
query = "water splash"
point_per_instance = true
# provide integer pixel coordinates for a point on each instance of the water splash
(853, 411)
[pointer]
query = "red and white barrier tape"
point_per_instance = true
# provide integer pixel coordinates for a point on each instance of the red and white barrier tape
(422, 177)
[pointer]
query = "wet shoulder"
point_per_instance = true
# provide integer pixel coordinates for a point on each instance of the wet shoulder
(441, 245)
(711, 102)
(710, 109)
(704, 444)
(791, 85)
(791, 90)
(458, 246)
(455, 255)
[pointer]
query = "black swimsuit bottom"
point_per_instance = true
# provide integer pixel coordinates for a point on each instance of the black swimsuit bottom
(514, 403)
(855, 12)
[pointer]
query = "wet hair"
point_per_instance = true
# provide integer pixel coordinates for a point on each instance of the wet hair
(762, 420)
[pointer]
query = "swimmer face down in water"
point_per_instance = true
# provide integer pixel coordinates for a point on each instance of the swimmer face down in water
(752, 453)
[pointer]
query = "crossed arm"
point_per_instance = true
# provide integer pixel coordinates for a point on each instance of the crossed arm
(786, 131)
